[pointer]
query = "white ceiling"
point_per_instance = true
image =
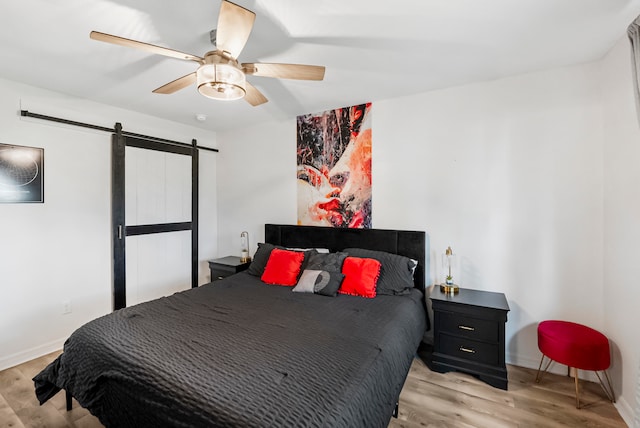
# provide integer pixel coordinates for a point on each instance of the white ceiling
(372, 49)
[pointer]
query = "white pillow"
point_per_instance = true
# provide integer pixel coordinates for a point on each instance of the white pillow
(320, 250)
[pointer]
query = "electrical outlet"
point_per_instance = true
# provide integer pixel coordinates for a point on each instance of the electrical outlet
(66, 307)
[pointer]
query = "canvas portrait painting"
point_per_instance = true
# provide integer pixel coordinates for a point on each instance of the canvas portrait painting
(334, 167)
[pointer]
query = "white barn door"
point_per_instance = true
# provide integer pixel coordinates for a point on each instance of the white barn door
(154, 218)
(157, 191)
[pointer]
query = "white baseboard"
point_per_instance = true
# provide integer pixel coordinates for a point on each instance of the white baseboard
(625, 410)
(30, 354)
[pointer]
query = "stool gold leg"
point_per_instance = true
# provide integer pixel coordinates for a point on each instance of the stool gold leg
(609, 390)
(613, 396)
(577, 390)
(538, 375)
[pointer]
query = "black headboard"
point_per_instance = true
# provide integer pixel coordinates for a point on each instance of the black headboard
(411, 244)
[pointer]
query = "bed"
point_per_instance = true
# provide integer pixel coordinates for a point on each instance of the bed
(242, 353)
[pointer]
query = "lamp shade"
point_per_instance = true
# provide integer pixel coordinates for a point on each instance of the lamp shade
(221, 81)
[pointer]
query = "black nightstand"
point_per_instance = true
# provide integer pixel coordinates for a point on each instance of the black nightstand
(225, 266)
(468, 333)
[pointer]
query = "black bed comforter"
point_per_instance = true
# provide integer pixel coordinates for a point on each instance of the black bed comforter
(240, 353)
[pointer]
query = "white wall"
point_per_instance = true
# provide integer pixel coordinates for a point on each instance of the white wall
(509, 173)
(61, 250)
(256, 182)
(621, 224)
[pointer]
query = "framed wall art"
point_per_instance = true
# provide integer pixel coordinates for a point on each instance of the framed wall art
(334, 167)
(21, 174)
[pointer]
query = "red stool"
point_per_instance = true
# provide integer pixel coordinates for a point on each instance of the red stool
(576, 346)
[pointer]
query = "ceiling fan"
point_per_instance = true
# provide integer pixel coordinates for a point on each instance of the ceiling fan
(220, 75)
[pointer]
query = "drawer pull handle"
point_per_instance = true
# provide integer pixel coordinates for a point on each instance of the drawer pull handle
(464, 327)
(470, 351)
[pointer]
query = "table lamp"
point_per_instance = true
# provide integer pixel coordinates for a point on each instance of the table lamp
(448, 262)
(244, 247)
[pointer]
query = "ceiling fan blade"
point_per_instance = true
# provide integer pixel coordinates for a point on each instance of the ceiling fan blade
(234, 26)
(116, 40)
(285, 71)
(254, 96)
(177, 84)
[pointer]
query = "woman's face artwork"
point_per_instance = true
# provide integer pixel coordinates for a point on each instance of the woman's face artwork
(334, 168)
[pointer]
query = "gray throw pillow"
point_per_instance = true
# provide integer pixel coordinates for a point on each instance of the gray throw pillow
(319, 282)
(331, 262)
(396, 271)
(260, 259)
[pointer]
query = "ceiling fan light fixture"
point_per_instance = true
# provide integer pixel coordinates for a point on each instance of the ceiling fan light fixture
(220, 76)
(221, 81)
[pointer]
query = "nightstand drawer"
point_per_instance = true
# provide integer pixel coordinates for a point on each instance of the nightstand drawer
(218, 273)
(226, 266)
(480, 352)
(469, 327)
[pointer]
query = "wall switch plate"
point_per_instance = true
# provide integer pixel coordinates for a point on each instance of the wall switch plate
(66, 307)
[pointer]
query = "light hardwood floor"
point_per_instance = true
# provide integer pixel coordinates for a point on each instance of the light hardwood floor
(428, 399)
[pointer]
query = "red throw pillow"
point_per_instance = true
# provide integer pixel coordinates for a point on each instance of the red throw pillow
(360, 276)
(283, 267)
